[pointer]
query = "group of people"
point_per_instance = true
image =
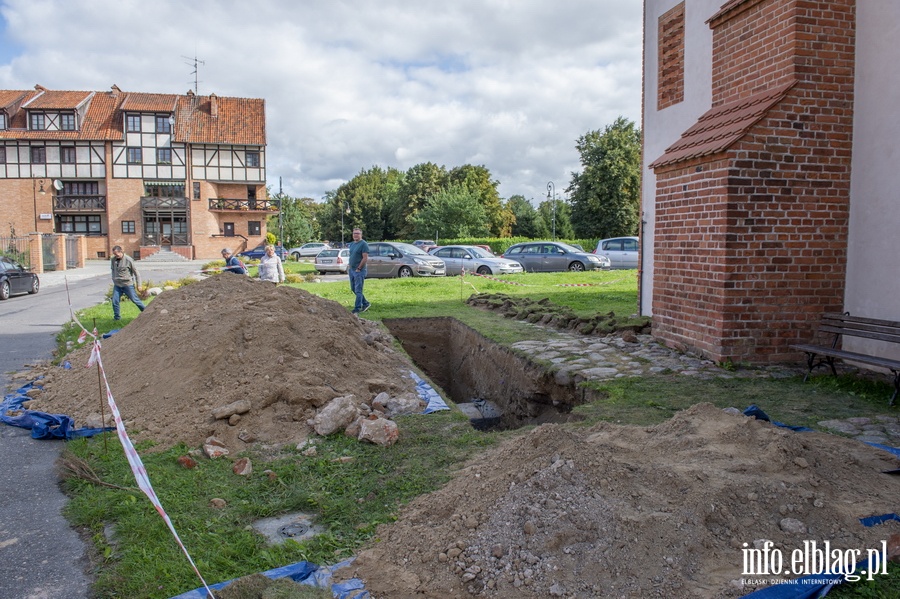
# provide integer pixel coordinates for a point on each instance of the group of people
(125, 275)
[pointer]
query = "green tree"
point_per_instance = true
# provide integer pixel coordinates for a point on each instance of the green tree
(605, 196)
(362, 202)
(450, 213)
(529, 222)
(477, 179)
(298, 218)
(558, 220)
(419, 183)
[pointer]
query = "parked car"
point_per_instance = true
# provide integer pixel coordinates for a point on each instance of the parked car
(553, 256)
(15, 279)
(332, 260)
(402, 260)
(425, 244)
(621, 251)
(474, 259)
(308, 250)
(260, 251)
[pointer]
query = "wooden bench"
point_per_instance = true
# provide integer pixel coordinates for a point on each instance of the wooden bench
(835, 326)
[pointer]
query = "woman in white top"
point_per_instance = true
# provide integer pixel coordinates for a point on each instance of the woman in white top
(270, 268)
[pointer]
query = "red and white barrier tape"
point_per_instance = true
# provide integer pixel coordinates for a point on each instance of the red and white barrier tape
(131, 454)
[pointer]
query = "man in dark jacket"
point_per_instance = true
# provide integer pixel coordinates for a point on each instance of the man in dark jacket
(124, 276)
(232, 264)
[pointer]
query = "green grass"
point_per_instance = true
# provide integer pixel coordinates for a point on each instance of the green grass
(352, 497)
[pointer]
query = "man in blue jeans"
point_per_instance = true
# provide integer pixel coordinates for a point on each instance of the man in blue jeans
(125, 276)
(359, 255)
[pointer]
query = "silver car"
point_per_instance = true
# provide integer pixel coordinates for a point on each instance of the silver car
(554, 256)
(390, 259)
(474, 259)
(332, 260)
(621, 251)
(308, 250)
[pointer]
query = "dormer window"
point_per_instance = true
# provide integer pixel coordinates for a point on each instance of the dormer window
(67, 122)
(2, 122)
(37, 121)
(133, 123)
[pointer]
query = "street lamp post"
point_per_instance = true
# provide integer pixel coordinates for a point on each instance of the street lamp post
(345, 208)
(551, 197)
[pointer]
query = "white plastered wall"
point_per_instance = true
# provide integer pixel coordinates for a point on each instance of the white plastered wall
(661, 128)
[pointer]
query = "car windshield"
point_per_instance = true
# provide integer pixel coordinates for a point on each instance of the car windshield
(328, 253)
(408, 249)
(570, 248)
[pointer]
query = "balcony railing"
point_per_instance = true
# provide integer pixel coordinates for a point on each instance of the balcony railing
(80, 203)
(226, 204)
(155, 203)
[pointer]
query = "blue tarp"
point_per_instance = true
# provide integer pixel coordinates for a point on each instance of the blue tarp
(435, 402)
(815, 586)
(42, 424)
(304, 573)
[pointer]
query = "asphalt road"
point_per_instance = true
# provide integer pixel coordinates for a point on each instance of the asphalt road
(41, 557)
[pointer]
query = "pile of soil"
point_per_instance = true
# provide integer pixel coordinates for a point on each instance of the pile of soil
(623, 511)
(224, 339)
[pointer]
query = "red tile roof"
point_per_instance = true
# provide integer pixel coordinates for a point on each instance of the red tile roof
(57, 100)
(722, 126)
(238, 121)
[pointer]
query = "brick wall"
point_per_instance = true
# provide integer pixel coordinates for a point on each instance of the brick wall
(751, 244)
(671, 57)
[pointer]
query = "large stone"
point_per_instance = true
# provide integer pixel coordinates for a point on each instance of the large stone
(336, 415)
(379, 431)
(242, 406)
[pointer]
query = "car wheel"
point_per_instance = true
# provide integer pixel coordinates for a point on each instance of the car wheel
(4, 290)
(484, 270)
(576, 266)
(35, 286)
(404, 272)
(295, 255)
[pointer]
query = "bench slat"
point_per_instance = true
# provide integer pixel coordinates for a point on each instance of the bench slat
(849, 355)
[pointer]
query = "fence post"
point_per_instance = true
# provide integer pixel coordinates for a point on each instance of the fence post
(36, 253)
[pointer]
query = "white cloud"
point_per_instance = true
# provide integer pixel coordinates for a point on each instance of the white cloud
(503, 83)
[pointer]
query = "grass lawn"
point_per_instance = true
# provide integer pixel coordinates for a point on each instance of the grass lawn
(351, 496)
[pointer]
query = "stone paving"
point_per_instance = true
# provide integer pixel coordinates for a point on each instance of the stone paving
(579, 358)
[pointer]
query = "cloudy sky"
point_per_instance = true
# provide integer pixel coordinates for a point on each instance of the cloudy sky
(348, 84)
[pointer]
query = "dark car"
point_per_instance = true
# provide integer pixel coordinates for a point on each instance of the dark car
(554, 256)
(15, 279)
(260, 251)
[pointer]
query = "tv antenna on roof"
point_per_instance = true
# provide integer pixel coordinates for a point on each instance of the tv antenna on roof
(196, 70)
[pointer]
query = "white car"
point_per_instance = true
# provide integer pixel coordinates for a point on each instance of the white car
(332, 260)
(307, 250)
(621, 251)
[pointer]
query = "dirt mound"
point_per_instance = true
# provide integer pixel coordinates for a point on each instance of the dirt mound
(620, 511)
(224, 339)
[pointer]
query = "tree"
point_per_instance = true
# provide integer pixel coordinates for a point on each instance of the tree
(559, 220)
(362, 202)
(529, 223)
(451, 213)
(605, 197)
(418, 184)
(298, 217)
(477, 179)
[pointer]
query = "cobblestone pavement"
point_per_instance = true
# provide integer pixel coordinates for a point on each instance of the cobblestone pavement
(580, 358)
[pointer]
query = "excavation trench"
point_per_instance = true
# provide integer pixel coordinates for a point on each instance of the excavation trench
(490, 384)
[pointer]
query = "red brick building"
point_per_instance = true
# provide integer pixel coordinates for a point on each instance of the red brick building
(141, 170)
(749, 152)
